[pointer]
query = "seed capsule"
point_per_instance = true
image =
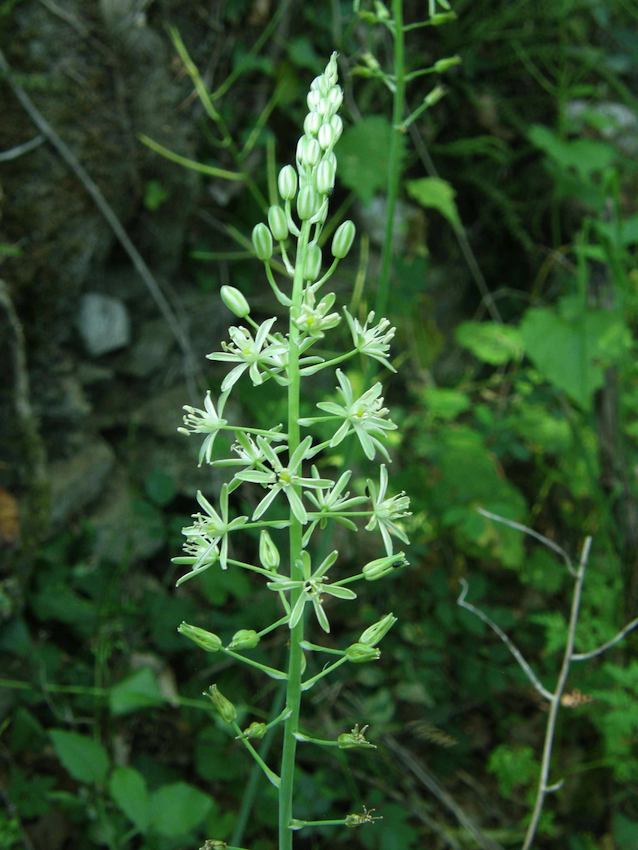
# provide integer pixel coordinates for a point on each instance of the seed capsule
(223, 707)
(206, 640)
(375, 633)
(255, 730)
(287, 183)
(359, 653)
(268, 552)
(262, 241)
(244, 639)
(307, 202)
(381, 567)
(277, 223)
(235, 301)
(342, 240)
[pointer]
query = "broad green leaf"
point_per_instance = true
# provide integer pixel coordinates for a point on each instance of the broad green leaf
(572, 346)
(445, 403)
(84, 758)
(585, 156)
(139, 690)
(512, 766)
(491, 342)
(177, 809)
(128, 789)
(435, 193)
(363, 156)
(160, 487)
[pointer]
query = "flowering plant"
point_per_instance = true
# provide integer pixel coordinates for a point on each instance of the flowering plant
(277, 461)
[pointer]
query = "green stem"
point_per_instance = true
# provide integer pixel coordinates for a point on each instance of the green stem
(264, 432)
(309, 683)
(269, 671)
(295, 658)
(394, 157)
(270, 774)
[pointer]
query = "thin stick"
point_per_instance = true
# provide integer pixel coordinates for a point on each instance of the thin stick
(550, 730)
(191, 370)
(518, 655)
(585, 656)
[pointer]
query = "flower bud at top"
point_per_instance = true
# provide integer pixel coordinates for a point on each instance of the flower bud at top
(312, 266)
(316, 84)
(262, 241)
(359, 653)
(342, 240)
(325, 177)
(268, 552)
(307, 202)
(330, 72)
(312, 123)
(373, 634)
(244, 639)
(381, 567)
(235, 301)
(206, 640)
(287, 183)
(255, 730)
(223, 707)
(277, 223)
(325, 136)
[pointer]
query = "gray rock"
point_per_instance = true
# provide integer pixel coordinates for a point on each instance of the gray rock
(79, 481)
(103, 323)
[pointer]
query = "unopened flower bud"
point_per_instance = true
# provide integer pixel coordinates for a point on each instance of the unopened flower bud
(337, 128)
(373, 634)
(343, 239)
(307, 202)
(244, 639)
(317, 83)
(434, 96)
(323, 107)
(235, 301)
(308, 151)
(277, 223)
(335, 98)
(325, 136)
(312, 123)
(381, 567)
(312, 266)
(223, 707)
(206, 640)
(287, 183)
(313, 100)
(268, 552)
(262, 241)
(443, 65)
(325, 177)
(359, 653)
(442, 18)
(255, 730)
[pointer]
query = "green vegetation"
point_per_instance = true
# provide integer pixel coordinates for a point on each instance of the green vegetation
(511, 278)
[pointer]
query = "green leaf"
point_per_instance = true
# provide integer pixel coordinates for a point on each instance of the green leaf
(139, 690)
(84, 758)
(160, 487)
(177, 809)
(573, 345)
(154, 195)
(585, 156)
(513, 767)
(437, 194)
(128, 789)
(445, 403)
(363, 156)
(491, 342)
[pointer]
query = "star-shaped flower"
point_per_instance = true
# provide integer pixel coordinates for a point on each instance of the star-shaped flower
(247, 352)
(200, 554)
(208, 421)
(283, 478)
(385, 512)
(330, 501)
(314, 318)
(373, 341)
(364, 415)
(312, 586)
(212, 527)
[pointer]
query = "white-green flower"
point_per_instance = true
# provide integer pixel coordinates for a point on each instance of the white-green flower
(200, 553)
(213, 527)
(312, 586)
(314, 318)
(208, 421)
(386, 512)
(373, 341)
(282, 478)
(248, 352)
(329, 501)
(364, 415)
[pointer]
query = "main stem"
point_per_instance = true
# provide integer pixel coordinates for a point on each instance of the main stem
(295, 658)
(394, 157)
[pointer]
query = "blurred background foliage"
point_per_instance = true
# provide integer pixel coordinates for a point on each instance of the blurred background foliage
(515, 293)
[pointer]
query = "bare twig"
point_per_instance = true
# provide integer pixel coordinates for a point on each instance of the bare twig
(585, 656)
(550, 730)
(20, 150)
(518, 655)
(191, 370)
(531, 533)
